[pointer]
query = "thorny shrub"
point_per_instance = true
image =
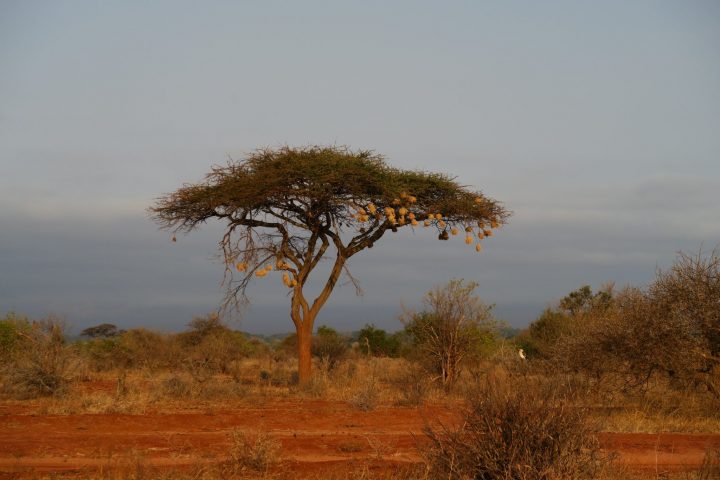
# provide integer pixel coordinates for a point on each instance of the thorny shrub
(517, 430)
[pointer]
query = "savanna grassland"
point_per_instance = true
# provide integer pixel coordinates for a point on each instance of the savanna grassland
(618, 383)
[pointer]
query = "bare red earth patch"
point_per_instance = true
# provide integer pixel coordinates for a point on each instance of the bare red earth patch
(314, 435)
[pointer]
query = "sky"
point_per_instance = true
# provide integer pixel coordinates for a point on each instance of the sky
(596, 123)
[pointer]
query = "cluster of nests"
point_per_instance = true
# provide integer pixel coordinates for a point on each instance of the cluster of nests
(401, 215)
(398, 214)
(288, 279)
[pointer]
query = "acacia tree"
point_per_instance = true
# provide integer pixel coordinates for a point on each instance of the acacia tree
(286, 209)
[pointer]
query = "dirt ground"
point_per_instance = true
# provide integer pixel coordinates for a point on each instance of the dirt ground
(314, 434)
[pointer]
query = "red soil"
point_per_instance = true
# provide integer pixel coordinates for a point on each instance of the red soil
(314, 434)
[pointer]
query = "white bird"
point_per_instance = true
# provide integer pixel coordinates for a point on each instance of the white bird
(521, 353)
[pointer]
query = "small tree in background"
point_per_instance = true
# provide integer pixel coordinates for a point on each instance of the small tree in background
(104, 330)
(286, 209)
(454, 326)
(376, 341)
(329, 345)
(574, 309)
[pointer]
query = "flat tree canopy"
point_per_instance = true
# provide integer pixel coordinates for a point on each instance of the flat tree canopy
(285, 209)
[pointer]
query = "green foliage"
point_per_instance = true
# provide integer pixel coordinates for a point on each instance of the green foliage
(378, 341)
(329, 345)
(311, 182)
(102, 330)
(582, 301)
(325, 331)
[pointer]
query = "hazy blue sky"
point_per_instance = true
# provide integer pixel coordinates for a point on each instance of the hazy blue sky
(597, 123)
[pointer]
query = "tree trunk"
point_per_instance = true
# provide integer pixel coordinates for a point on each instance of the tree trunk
(304, 337)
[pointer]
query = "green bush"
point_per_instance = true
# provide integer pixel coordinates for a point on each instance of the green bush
(329, 345)
(378, 342)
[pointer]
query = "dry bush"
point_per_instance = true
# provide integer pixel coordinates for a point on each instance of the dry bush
(671, 330)
(412, 384)
(43, 364)
(658, 408)
(211, 345)
(141, 348)
(366, 397)
(710, 468)
(517, 430)
(255, 452)
(453, 328)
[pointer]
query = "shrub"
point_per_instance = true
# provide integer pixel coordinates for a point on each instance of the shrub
(378, 342)
(329, 346)
(104, 354)
(670, 330)
(255, 452)
(366, 396)
(12, 327)
(412, 385)
(175, 387)
(455, 327)
(141, 348)
(516, 431)
(43, 363)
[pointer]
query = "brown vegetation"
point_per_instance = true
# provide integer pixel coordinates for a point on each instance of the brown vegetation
(621, 371)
